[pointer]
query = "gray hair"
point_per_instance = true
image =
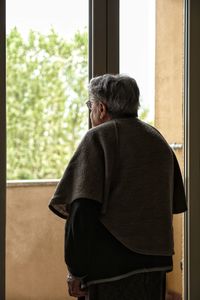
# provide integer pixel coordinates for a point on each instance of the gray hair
(120, 93)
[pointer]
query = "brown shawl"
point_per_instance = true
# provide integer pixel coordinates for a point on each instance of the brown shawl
(127, 166)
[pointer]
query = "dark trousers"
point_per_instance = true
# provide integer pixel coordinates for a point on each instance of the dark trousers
(141, 286)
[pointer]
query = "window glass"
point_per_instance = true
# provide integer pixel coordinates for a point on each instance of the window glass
(137, 49)
(47, 76)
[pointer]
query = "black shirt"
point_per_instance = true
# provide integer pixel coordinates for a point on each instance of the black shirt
(93, 254)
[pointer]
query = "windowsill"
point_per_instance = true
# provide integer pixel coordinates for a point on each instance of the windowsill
(33, 182)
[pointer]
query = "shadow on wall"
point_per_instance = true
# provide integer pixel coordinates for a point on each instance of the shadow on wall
(173, 296)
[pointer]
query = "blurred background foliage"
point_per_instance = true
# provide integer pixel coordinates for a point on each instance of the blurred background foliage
(47, 78)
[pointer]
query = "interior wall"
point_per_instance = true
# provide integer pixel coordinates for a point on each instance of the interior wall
(35, 267)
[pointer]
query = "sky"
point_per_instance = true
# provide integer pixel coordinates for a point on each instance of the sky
(64, 15)
(137, 46)
(137, 32)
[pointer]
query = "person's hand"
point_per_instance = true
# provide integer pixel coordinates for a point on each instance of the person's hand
(74, 287)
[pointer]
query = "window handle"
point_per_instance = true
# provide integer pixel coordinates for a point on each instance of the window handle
(176, 146)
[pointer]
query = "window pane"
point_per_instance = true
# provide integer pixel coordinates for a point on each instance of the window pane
(47, 76)
(137, 49)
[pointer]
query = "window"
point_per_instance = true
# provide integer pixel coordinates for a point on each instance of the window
(47, 77)
(137, 50)
(191, 56)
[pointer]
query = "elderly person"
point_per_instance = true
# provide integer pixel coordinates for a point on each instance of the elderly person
(119, 193)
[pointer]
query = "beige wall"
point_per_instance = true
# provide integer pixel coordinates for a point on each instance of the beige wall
(35, 253)
(169, 100)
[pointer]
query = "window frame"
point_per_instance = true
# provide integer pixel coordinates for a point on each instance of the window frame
(2, 147)
(103, 37)
(192, 150)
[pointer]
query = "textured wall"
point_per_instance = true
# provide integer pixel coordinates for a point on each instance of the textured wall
(169, 99)
(35, 253)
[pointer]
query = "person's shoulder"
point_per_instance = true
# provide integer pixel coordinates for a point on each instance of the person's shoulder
(152, 129)
(157, 135)
(104, 129)
(104, 134)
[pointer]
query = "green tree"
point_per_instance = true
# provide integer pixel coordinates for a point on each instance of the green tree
(47, 79)
(144, 115)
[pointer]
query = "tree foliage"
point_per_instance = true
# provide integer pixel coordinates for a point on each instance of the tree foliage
(47, 81)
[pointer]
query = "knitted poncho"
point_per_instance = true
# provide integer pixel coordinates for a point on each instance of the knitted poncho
(127, 166)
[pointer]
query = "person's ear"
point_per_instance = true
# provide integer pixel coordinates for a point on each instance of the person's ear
(103, 110)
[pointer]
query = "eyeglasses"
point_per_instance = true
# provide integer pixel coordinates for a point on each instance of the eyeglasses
(89, 104)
